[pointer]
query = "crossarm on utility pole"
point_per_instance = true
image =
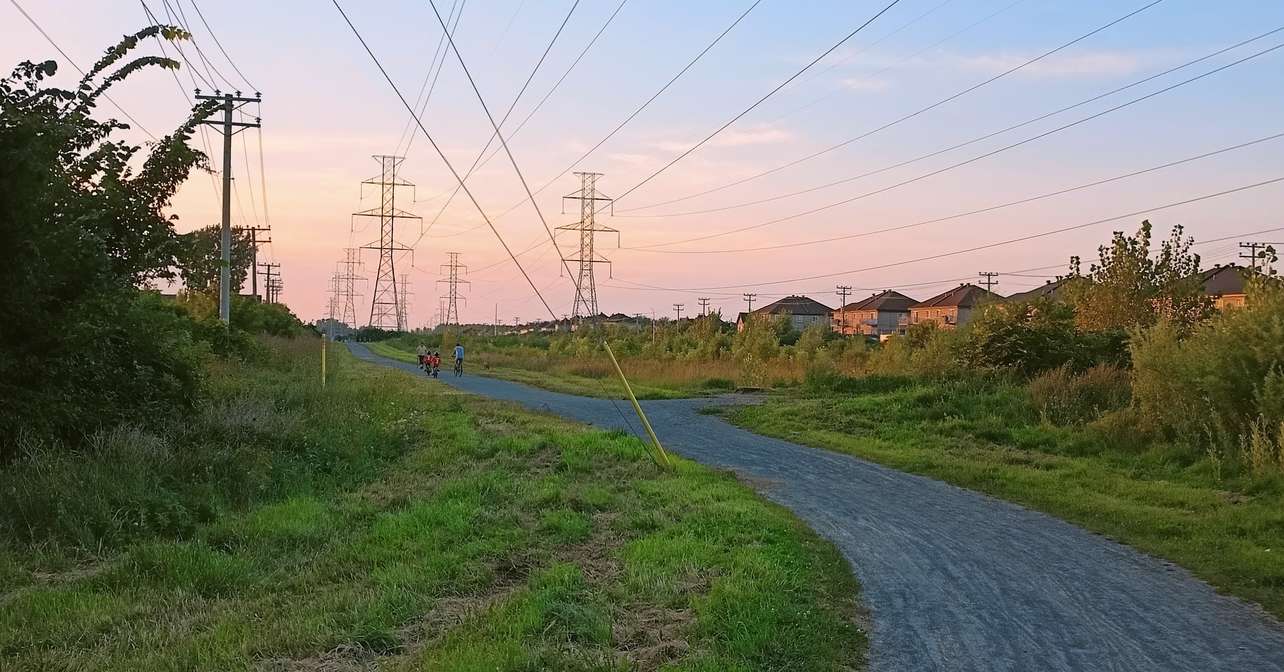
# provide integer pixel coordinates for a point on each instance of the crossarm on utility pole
(655, 440)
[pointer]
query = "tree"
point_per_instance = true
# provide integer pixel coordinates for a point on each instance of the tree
(82, 224)
(200, 259)
(1128, 287)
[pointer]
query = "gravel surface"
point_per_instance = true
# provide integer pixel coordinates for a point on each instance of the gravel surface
(955, 580)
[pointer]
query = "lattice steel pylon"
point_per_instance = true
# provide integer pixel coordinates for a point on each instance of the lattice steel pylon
(386, 309)
(450, 307)
(347, 292)
(403, 296)
(585, 303)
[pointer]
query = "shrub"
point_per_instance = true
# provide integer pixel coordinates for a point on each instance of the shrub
(1028, 337)
(1222, 383)
(1064, 397)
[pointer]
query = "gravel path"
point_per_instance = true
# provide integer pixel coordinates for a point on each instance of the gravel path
(955, 580)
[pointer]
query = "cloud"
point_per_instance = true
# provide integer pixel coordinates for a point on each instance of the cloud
(865, 84)
(760, 134)
(1092, 64)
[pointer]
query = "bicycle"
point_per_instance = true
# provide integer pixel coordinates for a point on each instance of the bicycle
(459, 367)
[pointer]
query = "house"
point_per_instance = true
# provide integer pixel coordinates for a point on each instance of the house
(1225, 284)
(951, 308)
(801, 310)
(881, 314)
(1055, 290)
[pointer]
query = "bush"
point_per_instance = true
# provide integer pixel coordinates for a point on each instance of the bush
(1064, 397)
(1222, 384)
(1028, 337)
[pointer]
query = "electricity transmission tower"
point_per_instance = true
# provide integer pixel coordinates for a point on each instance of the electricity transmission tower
(386, 309)
(403, 286)
(989, 279)
(348, 279)
(335, 293)
(450, 310)
(228, 104)
(585, 304)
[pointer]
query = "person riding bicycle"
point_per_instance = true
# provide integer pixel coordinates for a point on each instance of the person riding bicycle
(459, 359)
(422, 351)
(434, 363)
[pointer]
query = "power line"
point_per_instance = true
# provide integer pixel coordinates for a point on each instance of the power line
(974, 159)
(176, 13)
(906, 117)
(961, 145)
(441, 154)
(73, 63)
(764, 98)
(220, 45)
(968, 213)
(497, 126)
(434, 72)
(1009, 241)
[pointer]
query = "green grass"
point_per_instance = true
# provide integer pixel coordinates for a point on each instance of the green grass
(985, 436)
(390, 522)
(606, 386)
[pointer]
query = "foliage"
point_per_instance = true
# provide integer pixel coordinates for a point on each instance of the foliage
(1026, 337)
(755, 346)
(1128, 287)
(81, 220)
(1222, 380)
(200, 259)
(1065, 397)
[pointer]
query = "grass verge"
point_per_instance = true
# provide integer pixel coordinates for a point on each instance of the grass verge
(385, 521)
(985, 436)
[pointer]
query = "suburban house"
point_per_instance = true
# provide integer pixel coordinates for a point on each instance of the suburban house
(1225, 284)
(881, 314)
(1052, 289)
(952, 308)
(801, 310)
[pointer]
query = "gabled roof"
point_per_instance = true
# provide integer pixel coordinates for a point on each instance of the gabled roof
(1053, 289)
(795, 305)
(963, 296)
(888, 300)
(1228, 279)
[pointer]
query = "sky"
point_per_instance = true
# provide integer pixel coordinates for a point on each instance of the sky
(901, 90)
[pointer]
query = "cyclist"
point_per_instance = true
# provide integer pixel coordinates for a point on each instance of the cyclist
(459, 359)
(423, 353)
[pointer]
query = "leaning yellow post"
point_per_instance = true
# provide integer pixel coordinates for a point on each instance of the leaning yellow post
(638, 407)
(323, 349)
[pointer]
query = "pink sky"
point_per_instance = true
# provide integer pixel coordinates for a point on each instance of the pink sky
(327, 110)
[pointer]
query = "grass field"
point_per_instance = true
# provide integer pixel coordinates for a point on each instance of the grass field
(388, 520)
(985, 436)
(589, 379)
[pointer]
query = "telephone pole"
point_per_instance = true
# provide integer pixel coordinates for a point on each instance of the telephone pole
(451, 270)
(254, 253)
(228, 103)
(585, 304)
(272, 280)
(1264, 258)
(843, 291)
(348, 279)
(678, 307)
(749, 296)
(385, 301)
(989, 279)
(704, 305)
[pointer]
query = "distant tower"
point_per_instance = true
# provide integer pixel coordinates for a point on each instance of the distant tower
(450, 305)
(348, 279)
(385, 304)
(585, 304)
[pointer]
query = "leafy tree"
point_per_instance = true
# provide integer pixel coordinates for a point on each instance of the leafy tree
(200, 259)
(1029, 337)
(1129, 287)
(82, 224)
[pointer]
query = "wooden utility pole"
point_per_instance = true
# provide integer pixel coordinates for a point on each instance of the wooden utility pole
(843, 291)
(989, 279)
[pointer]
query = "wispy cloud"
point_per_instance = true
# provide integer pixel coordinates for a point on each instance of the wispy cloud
(760, 134)
(1092, 64)
(864, 84)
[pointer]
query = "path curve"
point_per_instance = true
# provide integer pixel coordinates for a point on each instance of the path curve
(955, 580)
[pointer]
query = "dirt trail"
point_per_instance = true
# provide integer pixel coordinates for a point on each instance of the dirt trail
(955, 580)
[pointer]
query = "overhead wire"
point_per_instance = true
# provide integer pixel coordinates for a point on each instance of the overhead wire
(440, 153)
(974, 159)
(961, 145)
(977, 211)
(35, 24)
(219, 44)
(1008, 241)
(433, 73)
(901, 119)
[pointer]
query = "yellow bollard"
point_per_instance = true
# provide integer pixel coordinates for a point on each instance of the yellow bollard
(638, 407)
